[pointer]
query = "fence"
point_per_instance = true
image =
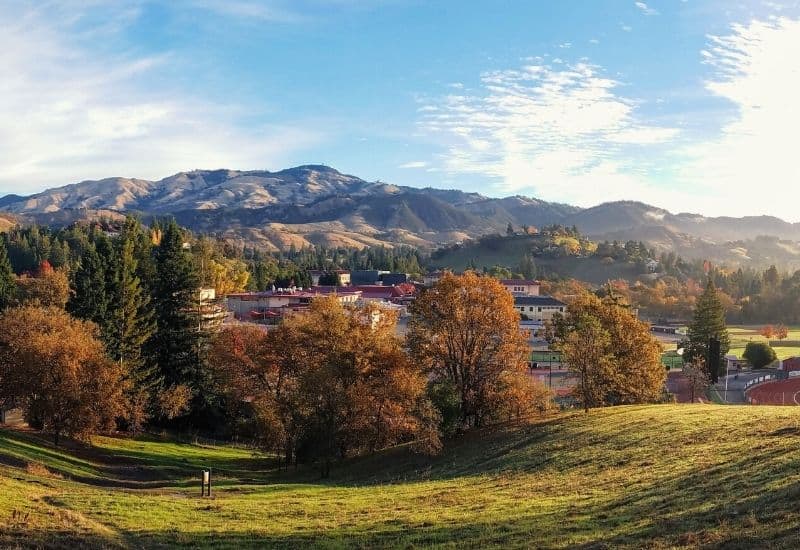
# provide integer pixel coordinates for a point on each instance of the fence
(765, 378)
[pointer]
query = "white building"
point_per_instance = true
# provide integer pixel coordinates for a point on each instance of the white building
(538, 308)
(521, 287)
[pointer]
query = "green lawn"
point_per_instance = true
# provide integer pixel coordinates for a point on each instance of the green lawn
(657, 476)
(741, 335)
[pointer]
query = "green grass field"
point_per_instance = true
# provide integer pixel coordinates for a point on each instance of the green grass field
(656, 476)
(741, 335)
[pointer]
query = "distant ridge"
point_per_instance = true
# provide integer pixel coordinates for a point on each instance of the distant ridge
(318, 205)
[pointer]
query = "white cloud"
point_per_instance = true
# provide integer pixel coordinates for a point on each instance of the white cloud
(414, 164)
(70, 113)
(752, 165)
(561, 133)
(645, 9)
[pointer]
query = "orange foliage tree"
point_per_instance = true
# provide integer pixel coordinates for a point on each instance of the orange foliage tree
(55, 368)
(767, 332)
(465, 332)
(781, 332)
(329, 383)
(627, 366)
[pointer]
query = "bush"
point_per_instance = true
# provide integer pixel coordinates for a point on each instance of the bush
(759, 354)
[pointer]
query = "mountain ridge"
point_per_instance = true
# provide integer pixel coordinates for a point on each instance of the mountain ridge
(315, 204)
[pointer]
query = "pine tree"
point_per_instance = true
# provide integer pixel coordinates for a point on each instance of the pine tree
(8, 285)
(131, 324)
(177, 339)
(90, 299)
(708, 322)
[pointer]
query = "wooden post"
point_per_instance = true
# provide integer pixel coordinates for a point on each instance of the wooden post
(205, 483)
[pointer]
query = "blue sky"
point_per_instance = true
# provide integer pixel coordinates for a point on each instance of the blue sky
(689, 105)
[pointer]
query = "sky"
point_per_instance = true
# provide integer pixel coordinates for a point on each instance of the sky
(689, 105)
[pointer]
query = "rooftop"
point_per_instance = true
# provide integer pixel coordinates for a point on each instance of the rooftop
(537, 301)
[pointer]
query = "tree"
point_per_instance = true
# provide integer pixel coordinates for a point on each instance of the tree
(767, 332)
(131, 324)
(90, 299)
(509, 229)
(782, 332)
(8, 285)
(55, 368)
(49, 288)
(176, 343)
(465, 332)
(708, 323)
(629, 369)
(329, 383)
(759, 354)
(697, 377)
(586, 351)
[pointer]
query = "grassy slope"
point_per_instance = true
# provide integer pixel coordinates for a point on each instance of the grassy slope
(657, 476)
(740, 335)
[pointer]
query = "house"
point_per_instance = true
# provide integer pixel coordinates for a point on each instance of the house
(538, 308)
(651, 265)
(521, 287)
(270, 307)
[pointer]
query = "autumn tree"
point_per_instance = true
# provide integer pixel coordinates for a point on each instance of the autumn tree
(781, 332)
(47, 288)
(329, 383)
(464, 331)
(767, 332)
(55, 368)
(696, 375)
(586, 350)
(629, 366)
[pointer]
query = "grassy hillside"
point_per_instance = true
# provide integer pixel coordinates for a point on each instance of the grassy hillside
(655, 476)
(509, 251)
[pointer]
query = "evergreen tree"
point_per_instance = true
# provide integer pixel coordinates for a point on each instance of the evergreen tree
(131, 324)
(176, 342)
(708, 322)
(8, 285)
(90, 298)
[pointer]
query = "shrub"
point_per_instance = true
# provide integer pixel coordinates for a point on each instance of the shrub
(759, 354)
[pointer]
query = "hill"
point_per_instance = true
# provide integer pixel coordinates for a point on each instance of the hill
(318, 205)
(660, 476)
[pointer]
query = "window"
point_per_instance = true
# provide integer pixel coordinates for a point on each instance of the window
(540, 309)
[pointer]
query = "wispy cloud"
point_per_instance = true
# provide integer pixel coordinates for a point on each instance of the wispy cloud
(645, 9)
(249, 10)
(753, 158)
(71, 113)
(563, 133)
(414, 164)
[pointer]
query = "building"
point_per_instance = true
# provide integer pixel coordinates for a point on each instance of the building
(521, 287)
(270, 307)
(391, 279)
(210, 310)
(400, 294)
(366, 276)
(432, 278)
(343, 274)
(538, 308)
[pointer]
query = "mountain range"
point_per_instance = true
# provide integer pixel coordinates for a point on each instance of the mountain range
(319, 205)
